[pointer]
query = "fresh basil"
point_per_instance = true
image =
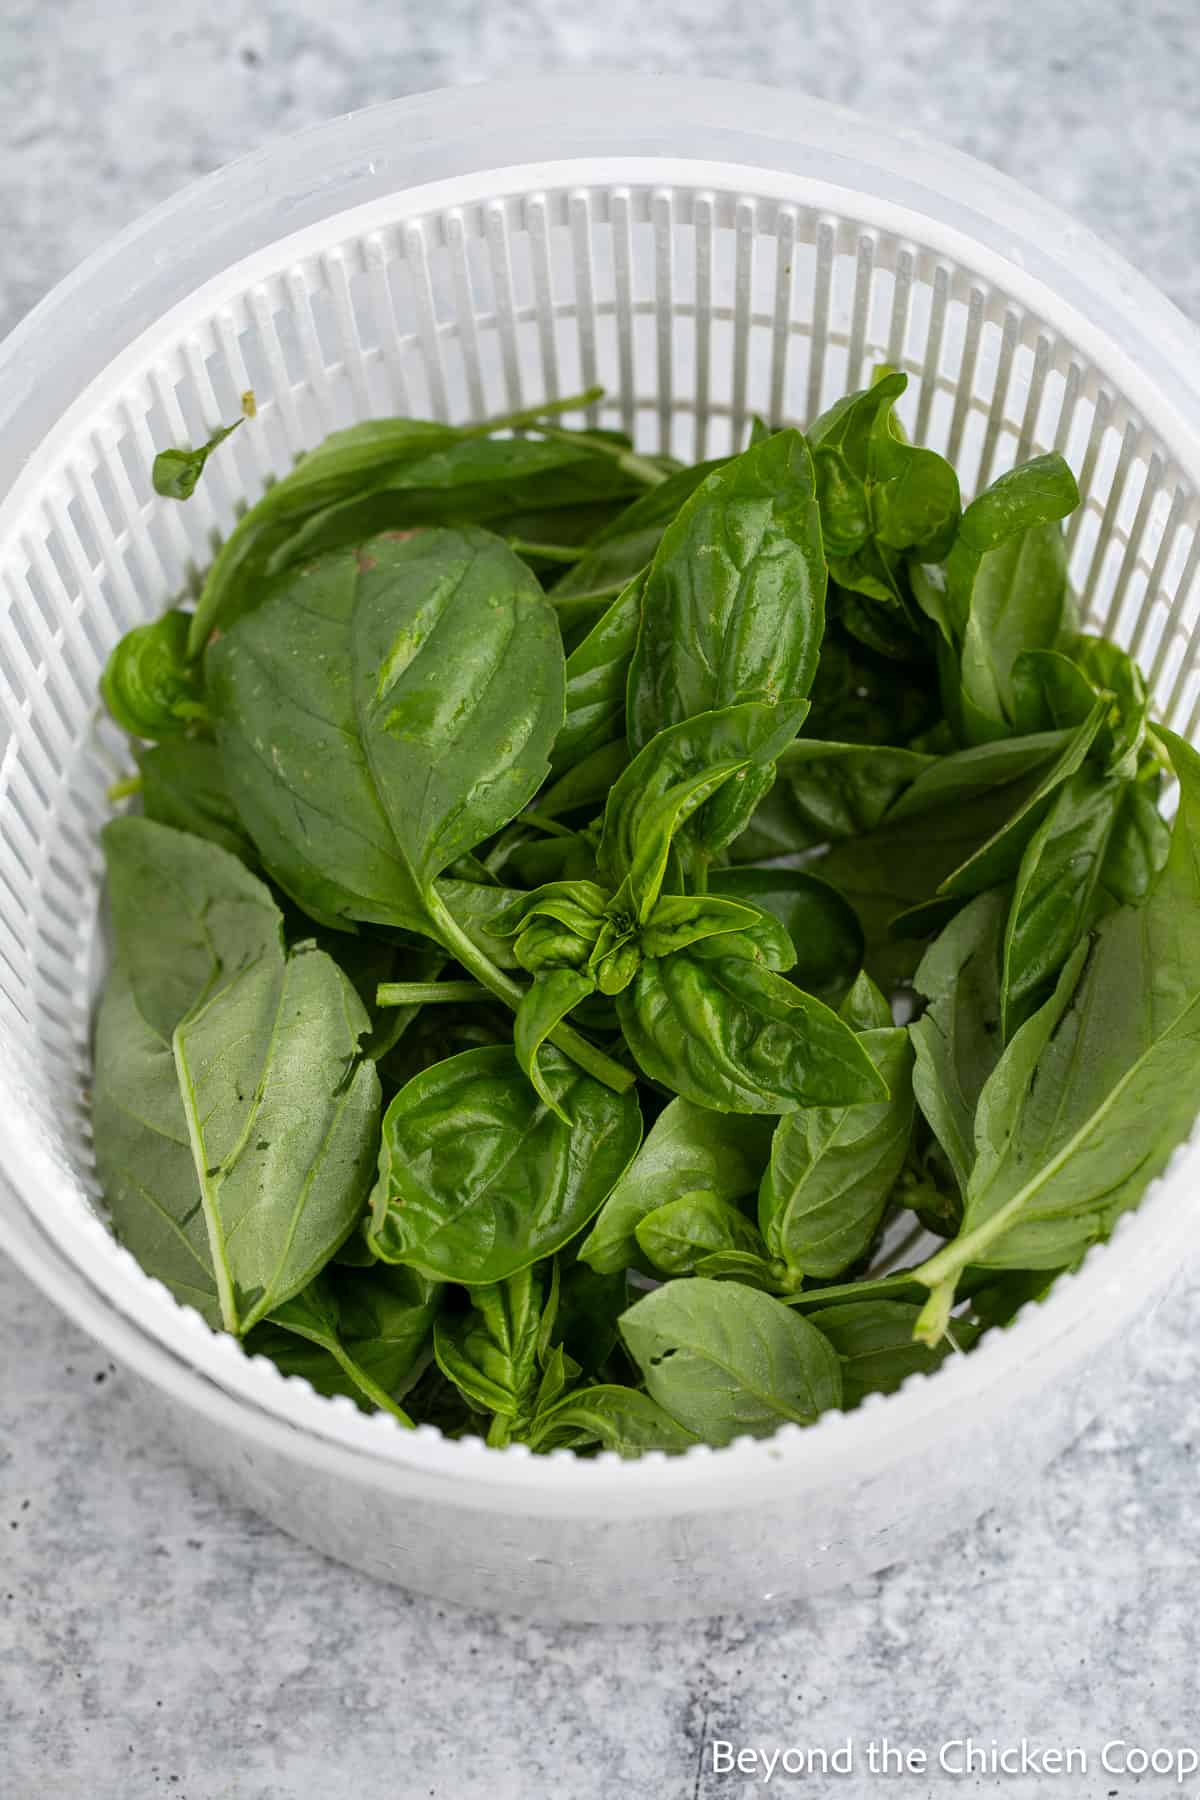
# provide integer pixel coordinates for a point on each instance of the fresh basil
(521, 786)
(688, 1149)
(455, 1203)
(726, 1360)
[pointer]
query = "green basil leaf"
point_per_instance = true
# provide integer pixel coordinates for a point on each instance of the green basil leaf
(396, 741)
(860, 697)
(831, 791)
(874, 1343)
(682, 919)
(1058, 889)
(670, 779)
(359, 1334)
(727, 1361)
(347, 465)
(1007, 584)
(187, 917)
(478, 907)
(588, 784)
(176, 472)
(687, 1148)
(617, 1418)
(1111, 670)
(832, 1169)
(824, 933)
(183, 785)
(455, 1203)
(627, 546)
(1138, 848)
(873, 485)
(475, 482)
(734, 605)
(1050, 692)
(597, 674)
(148, 684)
(1097, 1088)
(673, 1238)
(589, 1306)
(546, 1004)
(1004, 1296)
(958, 1039)
(998, 858)
(720, 1029)
(490, 1352)
(235, 1148)
(579, 905)
(864, 1007)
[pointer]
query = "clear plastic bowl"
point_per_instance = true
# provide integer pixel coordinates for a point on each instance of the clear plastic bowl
(706, 251)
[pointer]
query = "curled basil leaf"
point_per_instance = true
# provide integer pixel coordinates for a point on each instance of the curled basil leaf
(148, 684)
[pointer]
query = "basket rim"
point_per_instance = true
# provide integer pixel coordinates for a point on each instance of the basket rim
(398, 147)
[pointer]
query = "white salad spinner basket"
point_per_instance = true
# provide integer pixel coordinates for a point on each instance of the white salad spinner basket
(706, 251)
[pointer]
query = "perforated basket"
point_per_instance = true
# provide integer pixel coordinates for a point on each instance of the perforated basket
(732, 251)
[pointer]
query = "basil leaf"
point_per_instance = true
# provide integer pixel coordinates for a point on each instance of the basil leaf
(490, 1353)
(832, 1169)
(148, 684)
(958, 1039)
(596, 677)
(547, 1003)
(183, 786)
(934, 829)
(625, 548)
(874, 1344)
(670, 779)
(475, 481)
(617, 1418)
(396, 743)
(346, 465)
(1058, 890)
(830, 791)
(876, 490)
(359, 1335)
(176, 472)
(682, 919)
(1138, 848)
(1097, 1088)
(455, 1203)
(860, 697)
(186, 916)
(824, 932)
(864, 1007)
(718, 1028)
(734, 604)
(1111, 670)
(998, 858)
(673, 1238)
(589, 1305)
(1007, 585)
(727, 1361)
(478, 908)
(234, 1150)
(587, 784)
(686, 1149)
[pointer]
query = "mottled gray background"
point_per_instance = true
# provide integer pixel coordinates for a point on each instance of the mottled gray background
(156, 1642)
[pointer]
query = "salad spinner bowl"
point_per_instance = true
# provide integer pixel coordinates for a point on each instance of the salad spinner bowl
(706, 252)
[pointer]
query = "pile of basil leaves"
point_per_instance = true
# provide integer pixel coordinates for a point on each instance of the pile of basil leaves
(538, 844)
